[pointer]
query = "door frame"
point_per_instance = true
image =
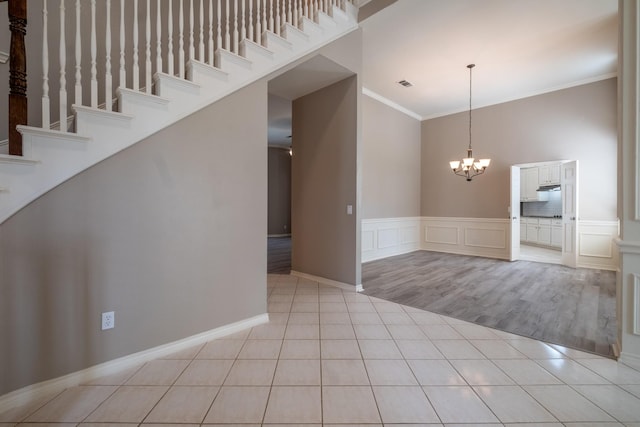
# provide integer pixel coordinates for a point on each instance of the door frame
(568, 259)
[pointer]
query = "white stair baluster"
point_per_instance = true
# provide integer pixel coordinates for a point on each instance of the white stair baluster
(306, 8)
(78, 89)
(181, 41)
(295, 13)
(147, 50)
(201, 35)
(271, 16)
(46, 103)
(227, 36)
(259, 17)
(192, 47)
(94, 53)
(159, 36)
(219, 26)
(123, 70)
(250, 29)
(136, 66)
(264, 18)
(243, 33)
(108, 78)
(211, 47)
(289, 13)
(235, 26)
(277, 29)
(63, 68)
(170, 60)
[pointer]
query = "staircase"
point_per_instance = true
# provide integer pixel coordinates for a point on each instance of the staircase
(199, 54)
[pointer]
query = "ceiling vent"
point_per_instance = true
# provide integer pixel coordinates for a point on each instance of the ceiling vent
(405, 83)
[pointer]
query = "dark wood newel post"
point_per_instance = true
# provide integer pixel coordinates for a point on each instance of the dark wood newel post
(17, 74)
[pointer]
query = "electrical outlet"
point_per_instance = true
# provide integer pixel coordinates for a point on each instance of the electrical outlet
(108, 320)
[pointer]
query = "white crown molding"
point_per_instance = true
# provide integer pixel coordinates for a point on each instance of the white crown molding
(389, 103)
(527, 95)
(4, 57)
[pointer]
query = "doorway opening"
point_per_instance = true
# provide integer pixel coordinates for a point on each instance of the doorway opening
(279, 185)
(544, 212)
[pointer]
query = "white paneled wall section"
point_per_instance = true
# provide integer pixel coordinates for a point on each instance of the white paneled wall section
(486, 237)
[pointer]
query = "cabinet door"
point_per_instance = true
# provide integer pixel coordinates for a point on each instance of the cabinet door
(543, 175)
(556, 237)
(554, 174)
(532, 233)
(544, 235)
(530, 184)
(523, 231)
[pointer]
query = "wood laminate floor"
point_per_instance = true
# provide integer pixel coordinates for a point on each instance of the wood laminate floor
(553, 303)
(278, 255)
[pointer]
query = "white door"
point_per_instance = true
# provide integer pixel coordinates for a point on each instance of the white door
(514, 211)
(569, 187)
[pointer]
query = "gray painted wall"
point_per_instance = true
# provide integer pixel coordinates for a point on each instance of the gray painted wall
(390, 162)
(154, 233)
(578, 123)
(279, 200)
(324, 182)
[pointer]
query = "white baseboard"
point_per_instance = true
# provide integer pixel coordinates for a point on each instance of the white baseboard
(51, 387)
(325, 281)
(630, 360)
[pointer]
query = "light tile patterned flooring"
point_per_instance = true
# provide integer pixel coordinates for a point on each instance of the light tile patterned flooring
(333, 357)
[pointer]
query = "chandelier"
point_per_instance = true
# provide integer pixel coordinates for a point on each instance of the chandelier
(469, 167)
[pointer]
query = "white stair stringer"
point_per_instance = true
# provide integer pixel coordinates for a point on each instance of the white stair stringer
(52, 157)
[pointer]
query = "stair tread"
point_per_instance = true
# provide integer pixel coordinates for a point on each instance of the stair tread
(8, 158)
(150, 96)
(52, 133)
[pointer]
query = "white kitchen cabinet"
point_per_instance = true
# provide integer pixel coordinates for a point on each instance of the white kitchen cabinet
(549, 175)
(541, 231)
(544, 232)
(529, 183)
(531, 234)
(556, 233)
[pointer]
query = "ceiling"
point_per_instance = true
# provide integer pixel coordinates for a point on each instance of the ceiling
(521, 48)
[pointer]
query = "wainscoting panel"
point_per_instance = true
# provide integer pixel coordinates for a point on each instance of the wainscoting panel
(486, 237)
(382, 238)
(595, 244)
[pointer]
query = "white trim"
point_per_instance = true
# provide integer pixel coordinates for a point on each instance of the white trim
(8, 158)
(51, 387)
(636, 304)
(279, 235)
(389, 103)
(528, 95)
(385, 237)
(359, 288)
(627, 247)
(326, 281)
(4, 57)
(629, 359)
